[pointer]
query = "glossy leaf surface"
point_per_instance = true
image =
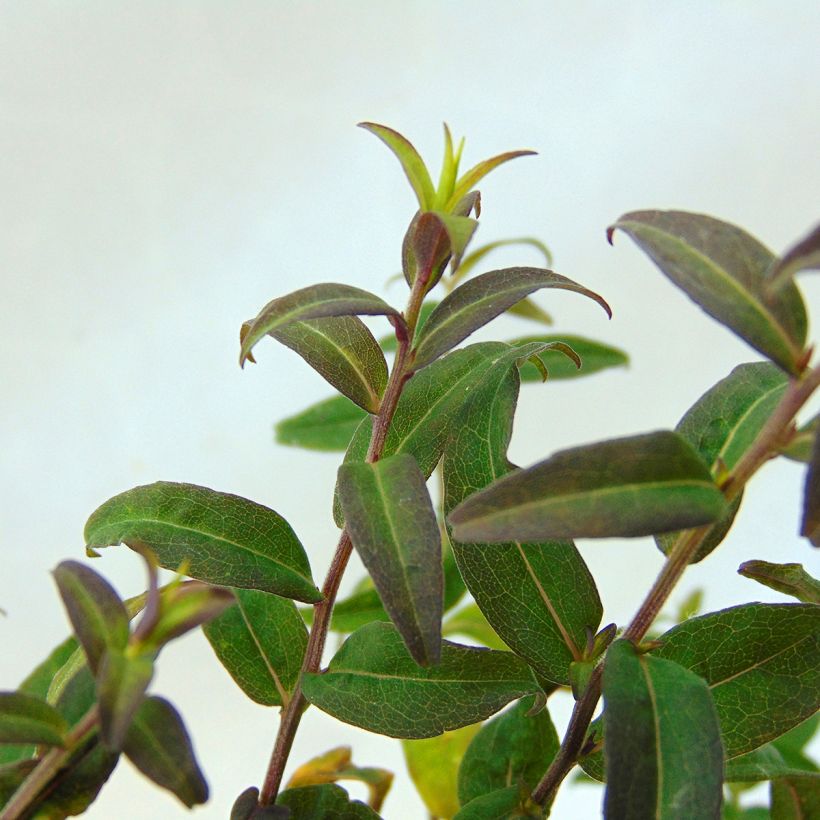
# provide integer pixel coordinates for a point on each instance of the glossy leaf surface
(625, 487)
(515, 748)
(790, 579)
(313, 302)
(158, 744)
(392, 525)
(328, 800)
(372, 682)
(722, 425)
(327, 426)
(761, 662)
(433, 766)
(539, 597)
(27, 719)
(261, 641)
(344, 352)
(805, 255)
(478, 301)
(94, 609)
(722, 269)
(656, 715)
(595, 356)
(221, 538)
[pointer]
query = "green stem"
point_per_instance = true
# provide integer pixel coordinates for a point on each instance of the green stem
(292, 713)
(49, 766)
(683, 550)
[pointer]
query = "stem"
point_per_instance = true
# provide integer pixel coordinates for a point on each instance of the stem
(49, 765)
(682, 552)
(292, 713)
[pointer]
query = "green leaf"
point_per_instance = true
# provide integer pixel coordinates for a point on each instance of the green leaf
(94, 609)
(796, 798)
(326, 801)
(261, 641)
(73, 691)
(631, 486)
(27, 719)
(372, 682)
(500, 805)
(791, 745)
(12, 775)
(513, 749)
(469, 179)
(471, 622)
(183, 607)
(429, 404)
(362, 607)
(344, 352)
(800, 447)
(221, 538)
(539, 597)
(121, 684)
(810, 526)
(480, 300)
(158, 744)
(328, 425)
(723, 269)
(595, 356)
(529, 309)
(313, 302)
(761, 662)
(765, 763)
(790, 579)
(722, 425)
(433, 766)
(663, 753)
(392, 525)
(411, 162)
(805, 255)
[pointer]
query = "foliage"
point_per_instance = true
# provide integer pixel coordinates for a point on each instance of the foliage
(690, 718)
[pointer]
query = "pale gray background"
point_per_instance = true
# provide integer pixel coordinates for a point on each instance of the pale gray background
(166, 168)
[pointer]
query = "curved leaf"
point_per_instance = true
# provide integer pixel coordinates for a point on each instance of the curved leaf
(762, 664)
(478, 301)
(805, 255)
(221, 538)
(539, 597)
(372, 682)
(121, 684)
(26, 719)
(392, 525)
(630, 486)
(158, 744)
(470, 178)
(328, 425)
(513, 749)
(800, 447)
(474, 257)
(312, 302)
(790, 579)
(261, 641)
(722, 268)
(663, 753)
(595, 356)
(344, 352)
(722, 425)
(326, 801)
(765, 763)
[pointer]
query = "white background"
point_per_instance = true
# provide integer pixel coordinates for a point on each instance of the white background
(167, 168)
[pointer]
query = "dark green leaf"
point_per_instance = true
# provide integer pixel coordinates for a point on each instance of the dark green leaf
(801, 446)
(326, 801)
(121, 684)
(73, 690)
(796, 798)
(631, 486)
(261, 641)
(12, 775)
(411, 162)
(94, 609)
(313, 302)
(745, 813)
(220, 538)
(328, 425)
(26, 719)
(761, 662)
(433, 762)
(722, 425)
(392, 525)
(790, 579)
(539, 597)
(663, 753)
(246, 807)
(805, 255)
(722, 269)
(344, 352)
(470, 178)
(158, 744)
(500, 805)
(480, 300)
(372, 682)
(595, 356)
(513, 749)
(765, 763)
(810, 527)
(792, 745)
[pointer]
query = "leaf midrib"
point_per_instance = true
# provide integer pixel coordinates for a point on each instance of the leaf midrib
(656, 724)
(285, 698)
